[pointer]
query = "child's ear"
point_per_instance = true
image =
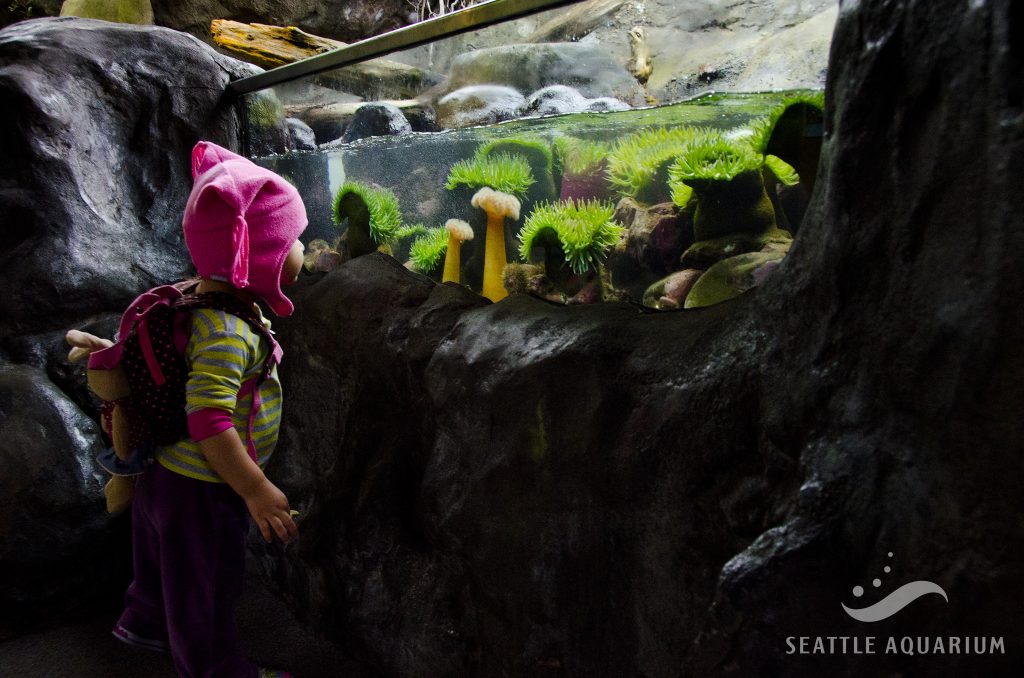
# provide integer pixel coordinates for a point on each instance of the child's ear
(293, 263)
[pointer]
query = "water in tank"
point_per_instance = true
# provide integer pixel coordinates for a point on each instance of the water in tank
(659, 153)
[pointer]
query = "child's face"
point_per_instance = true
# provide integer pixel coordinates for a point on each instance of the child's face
(292, 264)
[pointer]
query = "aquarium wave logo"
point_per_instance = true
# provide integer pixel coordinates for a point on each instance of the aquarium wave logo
(895, 601)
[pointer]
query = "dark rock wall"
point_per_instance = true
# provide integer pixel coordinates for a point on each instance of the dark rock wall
(98, 124)
(595, 491)
(99, 120)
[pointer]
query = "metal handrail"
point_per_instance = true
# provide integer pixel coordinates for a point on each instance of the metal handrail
(456, 23)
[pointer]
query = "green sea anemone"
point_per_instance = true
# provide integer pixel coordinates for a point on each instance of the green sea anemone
(725, 178)
(576, 233)
(787, 121)
(581, 156)
(790, 137)
(427, 250)
(372, 215)
(501, 172)
(499, 207)
(537, 152)
(638, 164)
(411, 231)
(535, 149)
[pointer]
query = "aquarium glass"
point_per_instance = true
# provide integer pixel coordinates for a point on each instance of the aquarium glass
(641, 184)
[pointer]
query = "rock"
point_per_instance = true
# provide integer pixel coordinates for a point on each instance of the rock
(560, 99)
(328, 261)
(479, 105)
(266, 124)
(731, 277)
(123, 11)
(59, 551)
(528, 68)
(705, 484)
(655, 237)
(704, 253)
(670, 292)
(90, 227)
(605, 105)
(329, 120)
(374, 120)
(300, 135)
(336, 19)
(555, 100)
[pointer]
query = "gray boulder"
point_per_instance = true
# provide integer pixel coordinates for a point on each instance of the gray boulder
(555, 99)
(479, 105)
(372, 120)
(587, 68)
(59, 551)
(300, 135)
(100, 120)
(561, 99)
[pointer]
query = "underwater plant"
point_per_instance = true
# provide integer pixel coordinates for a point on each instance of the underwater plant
(502, 172)
(498, 206)
(575, 237)
(372, 214)
(725, 179)
(638, 164)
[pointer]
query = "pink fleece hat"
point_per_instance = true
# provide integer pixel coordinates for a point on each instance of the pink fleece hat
(240, 221)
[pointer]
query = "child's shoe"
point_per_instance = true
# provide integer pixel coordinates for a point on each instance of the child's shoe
(135, 640)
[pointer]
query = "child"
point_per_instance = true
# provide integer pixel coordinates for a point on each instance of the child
(189, 522)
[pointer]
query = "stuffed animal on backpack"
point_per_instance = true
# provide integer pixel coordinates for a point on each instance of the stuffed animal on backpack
(111, 386)
(141, 378)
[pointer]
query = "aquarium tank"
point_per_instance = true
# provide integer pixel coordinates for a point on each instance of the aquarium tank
(575, 151)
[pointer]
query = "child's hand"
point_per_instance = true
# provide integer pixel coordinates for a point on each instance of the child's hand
(269, 508)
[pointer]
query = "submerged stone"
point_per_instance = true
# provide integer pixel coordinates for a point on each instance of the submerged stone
(300, 135)
(377, 119)
(479, 105)
(732, 277)
(587, 68)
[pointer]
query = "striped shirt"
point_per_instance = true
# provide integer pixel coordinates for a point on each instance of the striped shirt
(223, 353)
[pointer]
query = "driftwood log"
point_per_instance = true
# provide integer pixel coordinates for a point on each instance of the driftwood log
(273, 46)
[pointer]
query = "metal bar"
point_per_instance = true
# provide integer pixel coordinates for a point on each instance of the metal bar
(456, 23)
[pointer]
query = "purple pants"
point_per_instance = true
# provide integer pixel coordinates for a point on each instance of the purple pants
(188, 543)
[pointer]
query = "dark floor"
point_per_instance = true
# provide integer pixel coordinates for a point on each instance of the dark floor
(270, 635)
